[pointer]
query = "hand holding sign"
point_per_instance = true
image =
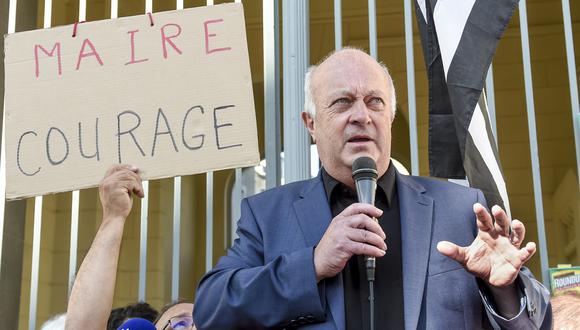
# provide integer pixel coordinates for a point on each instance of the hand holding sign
(117, 189)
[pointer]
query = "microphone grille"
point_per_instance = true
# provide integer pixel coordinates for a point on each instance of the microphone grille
(364, 167)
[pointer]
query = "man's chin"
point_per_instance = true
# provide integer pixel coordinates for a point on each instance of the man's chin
(353, 156)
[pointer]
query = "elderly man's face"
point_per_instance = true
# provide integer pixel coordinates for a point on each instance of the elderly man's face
(353, 116)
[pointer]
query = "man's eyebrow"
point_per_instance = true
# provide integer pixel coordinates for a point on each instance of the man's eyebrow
(375, 92)
(340, 93)
(180, 315)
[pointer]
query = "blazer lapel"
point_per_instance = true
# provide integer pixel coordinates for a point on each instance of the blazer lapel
(313, 211)
(416, 211)
(314, 215)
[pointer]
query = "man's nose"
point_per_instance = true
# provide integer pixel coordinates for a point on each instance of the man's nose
(360, 113)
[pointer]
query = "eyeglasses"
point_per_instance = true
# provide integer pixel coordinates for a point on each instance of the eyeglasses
(179, 323)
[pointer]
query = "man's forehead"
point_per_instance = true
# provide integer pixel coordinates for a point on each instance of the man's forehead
(179, 309)
(347, 60)
(349, 74)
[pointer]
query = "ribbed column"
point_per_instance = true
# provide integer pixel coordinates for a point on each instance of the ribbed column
(295, 63)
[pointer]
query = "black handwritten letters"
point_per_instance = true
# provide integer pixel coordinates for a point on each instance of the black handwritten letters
(132, 131)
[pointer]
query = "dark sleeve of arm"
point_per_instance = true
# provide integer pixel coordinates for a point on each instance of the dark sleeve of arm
(535, 311)
(244, 291)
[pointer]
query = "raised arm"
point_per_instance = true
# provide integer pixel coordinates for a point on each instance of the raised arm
(92, 295)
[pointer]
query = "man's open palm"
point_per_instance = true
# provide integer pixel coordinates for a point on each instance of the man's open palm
(495, 255)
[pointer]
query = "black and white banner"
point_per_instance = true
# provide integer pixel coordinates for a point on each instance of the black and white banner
(459, 40)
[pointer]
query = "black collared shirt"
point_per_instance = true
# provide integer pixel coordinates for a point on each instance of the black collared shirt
(389, 272)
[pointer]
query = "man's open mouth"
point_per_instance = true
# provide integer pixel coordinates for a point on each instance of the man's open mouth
(359, 138)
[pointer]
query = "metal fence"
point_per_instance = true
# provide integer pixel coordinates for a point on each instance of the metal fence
(294, 62)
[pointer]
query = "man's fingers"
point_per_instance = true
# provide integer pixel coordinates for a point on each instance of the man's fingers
(361, 208)
(502, 221)
(452, 251)
(484, 222)
(133, 183)
(518, 232)
(366, 249)
(137, 189)
(365, 236)
(362, 221)
(527, 252)
(118, 167)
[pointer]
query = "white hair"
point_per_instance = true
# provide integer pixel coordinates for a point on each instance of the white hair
(310, 106)
(55, 323)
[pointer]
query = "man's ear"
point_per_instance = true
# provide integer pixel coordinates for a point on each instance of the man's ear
(308, 122)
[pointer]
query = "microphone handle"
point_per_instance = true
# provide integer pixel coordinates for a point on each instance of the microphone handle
(370, 263)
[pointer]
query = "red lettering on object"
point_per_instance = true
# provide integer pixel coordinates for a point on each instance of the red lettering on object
(167, 39)
(208, 35)
(133, 60)
(93, 52)
(50, 54)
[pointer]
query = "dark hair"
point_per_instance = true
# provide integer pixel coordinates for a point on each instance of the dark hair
(119, 315)
(168, 306)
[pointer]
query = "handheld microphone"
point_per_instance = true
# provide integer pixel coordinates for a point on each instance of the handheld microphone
(364, 173)
(137, 324)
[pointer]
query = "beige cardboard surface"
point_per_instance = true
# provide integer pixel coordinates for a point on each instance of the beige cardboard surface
(173, 99)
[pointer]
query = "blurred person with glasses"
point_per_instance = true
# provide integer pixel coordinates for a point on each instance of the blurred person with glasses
(176, 316)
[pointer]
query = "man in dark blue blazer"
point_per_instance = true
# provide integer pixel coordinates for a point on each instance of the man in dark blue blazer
(288, 268)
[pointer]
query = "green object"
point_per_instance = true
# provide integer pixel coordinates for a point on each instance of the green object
(565, 279)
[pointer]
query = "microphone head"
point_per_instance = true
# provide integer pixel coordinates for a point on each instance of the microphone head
(137, 324)
(364, 168)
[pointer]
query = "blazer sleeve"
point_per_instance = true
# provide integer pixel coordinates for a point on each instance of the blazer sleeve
(244, 291)
(535, 311)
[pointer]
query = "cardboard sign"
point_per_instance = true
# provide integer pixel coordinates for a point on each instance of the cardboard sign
(171, 95)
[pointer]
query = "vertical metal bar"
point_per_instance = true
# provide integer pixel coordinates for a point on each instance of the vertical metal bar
(37, 232)
(143, 242)
(533, 142)
(572, 78)
(74, 237)
(176, 241)
(411, 97)
(237, 195)
(273, 142)
(337, 24)
(176, 237)
(114, 8)
(209, 221)
(373, 28)
(2, 186)
(47, 14)
(296, 45)
(75, 204)
(82, 10)
(490, 98)
(209, 210)
(11, 29)
(144, 218)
